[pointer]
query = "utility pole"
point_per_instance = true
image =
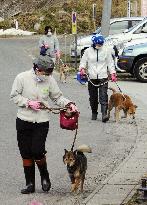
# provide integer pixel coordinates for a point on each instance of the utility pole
(106, 15)
(74, 32)
(94, 15)
(128, 8)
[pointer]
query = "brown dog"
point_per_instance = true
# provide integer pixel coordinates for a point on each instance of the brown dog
(76, 163)
(121, 102)
(64, 69)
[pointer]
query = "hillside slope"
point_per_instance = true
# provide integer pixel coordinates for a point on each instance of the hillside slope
(57, 13)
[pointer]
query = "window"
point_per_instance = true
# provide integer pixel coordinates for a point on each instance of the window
(134, 22)
(141, 29)
(118, 27)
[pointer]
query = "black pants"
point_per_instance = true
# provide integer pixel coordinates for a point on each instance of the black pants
(94, 98)
(31, 139)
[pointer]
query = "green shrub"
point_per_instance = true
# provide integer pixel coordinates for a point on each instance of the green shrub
(5, 24)
(59, 17)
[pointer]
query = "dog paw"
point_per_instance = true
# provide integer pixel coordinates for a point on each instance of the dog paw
(132, 122)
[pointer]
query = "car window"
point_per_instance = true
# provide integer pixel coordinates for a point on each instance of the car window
(134, 22)
(118, 27)
(130, 29)
(143, 27)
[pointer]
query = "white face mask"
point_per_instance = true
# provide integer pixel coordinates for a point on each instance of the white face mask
(41, 78)
(49, 33)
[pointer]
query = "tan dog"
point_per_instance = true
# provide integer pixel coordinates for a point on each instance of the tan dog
(121, 102)
(64, 69)
(76, 163)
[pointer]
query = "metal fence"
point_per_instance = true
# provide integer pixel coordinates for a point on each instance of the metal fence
(65, 42)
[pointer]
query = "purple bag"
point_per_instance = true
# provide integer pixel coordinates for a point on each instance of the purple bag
(43, 51)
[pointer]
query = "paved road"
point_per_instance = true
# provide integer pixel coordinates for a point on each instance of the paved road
(111, 143)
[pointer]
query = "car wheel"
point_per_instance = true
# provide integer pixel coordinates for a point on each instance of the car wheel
(140, 69)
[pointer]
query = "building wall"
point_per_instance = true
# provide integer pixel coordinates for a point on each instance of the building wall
(143, 7)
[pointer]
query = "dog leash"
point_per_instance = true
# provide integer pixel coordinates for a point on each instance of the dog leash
(62, 61)
(120, 89)
(53, 110)
(99, 85)
(43, 106)
(73, 144)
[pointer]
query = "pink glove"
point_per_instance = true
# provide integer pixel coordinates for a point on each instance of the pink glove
(113, 77)
(34, 105)
(35, 203)
(82, 71)
(46, 46)
(73, 107)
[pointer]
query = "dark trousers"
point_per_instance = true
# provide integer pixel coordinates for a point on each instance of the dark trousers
(31, 139)
(94, 97)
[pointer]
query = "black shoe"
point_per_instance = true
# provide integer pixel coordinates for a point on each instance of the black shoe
(45, 180)
(94, 116)
(104, 109)
(46, 184)
(105, 118)
(29, 172)
(29, 189)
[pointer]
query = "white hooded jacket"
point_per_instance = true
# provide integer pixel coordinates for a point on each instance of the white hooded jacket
(98, 61)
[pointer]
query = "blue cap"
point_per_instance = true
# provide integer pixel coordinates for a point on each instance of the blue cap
(98, 39)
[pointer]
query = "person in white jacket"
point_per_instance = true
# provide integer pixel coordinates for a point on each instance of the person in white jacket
(29, 90)
(98, 60)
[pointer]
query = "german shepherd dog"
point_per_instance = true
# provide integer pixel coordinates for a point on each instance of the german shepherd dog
(76, 163)
(121, 102)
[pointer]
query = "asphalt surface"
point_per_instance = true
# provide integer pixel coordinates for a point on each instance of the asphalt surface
(111, 142)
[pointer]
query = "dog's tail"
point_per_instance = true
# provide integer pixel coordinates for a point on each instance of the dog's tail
(113, 90)
(84, 148)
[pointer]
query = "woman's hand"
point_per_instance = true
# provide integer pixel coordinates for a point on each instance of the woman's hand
(34, 105)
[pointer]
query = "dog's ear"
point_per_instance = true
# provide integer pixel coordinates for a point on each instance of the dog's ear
(65, 151)
(75, 152)
(135, 106)
(64, 156)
